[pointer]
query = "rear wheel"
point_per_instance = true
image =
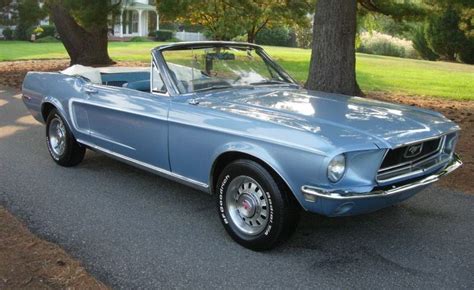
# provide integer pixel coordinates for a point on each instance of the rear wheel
(62, 146)
(255, 209)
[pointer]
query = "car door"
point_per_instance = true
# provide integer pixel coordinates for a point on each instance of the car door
(128, 123)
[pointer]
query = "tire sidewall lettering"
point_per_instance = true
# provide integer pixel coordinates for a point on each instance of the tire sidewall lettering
(221, 199)
(270, 206)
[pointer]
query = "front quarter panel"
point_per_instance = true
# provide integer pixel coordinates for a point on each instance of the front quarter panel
(199, 135)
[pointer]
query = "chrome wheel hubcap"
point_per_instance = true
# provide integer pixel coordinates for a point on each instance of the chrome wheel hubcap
(57, 137)
(247, 205)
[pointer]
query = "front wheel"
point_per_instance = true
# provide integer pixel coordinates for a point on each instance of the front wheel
(254, 208)
(62, 146)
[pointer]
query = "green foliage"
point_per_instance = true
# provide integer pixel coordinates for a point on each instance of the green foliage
(224, 20)
(387, 25)
(383, 44)
(164, 35)
(466, 54)
(443, 34)
(174, 26)
(382, 48)
(240, 38)
(304, 36)
(91, 15)
(139, 39)
(41, 31)
(276, 36)
(29, 14)
(421, 44)
(47, 39)
(220, 18)
(169, 26)
(48, 30)
(407, 9)
(8, 33)
(438, 28)
(8, 7)
(173, 39)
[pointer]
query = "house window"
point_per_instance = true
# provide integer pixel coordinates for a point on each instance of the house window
(134, 22)
(124, 22)
(130, 22)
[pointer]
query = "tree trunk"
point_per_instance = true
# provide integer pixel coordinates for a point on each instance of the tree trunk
(251, 36)
(332, 66)
(84, 47)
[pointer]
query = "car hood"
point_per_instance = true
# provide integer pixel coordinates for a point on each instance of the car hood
(386, 124)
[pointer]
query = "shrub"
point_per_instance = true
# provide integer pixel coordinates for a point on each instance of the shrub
(48, 30)
(174, 39)
(383, 44)
(8, 33)
(164, 35)
(41, 31)
(21, 32)
(240, 38)
(443, 34)
(172, 26)
(276, 36)
(169, 26)
(139, 39)
(466, 54)
(421, 44)
(46, 39)
(304, 36)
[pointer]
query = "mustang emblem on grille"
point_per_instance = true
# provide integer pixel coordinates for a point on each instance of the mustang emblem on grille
(413, 150)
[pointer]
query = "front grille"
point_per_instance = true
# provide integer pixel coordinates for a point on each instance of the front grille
(413, 158)
(397, 157)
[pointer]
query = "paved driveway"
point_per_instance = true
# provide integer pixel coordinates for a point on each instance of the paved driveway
(133, 229)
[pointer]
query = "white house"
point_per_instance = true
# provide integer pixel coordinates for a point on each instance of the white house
(137, 18)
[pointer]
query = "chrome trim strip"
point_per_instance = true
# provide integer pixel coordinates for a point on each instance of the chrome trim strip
(416, 172)
(428, 159)
(339, 195)
(154, 169)
(425, 139)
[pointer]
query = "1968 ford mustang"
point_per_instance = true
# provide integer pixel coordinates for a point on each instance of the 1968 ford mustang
(224, 118)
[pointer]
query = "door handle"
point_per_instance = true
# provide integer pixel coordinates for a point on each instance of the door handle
(193, 102)
(90, 90)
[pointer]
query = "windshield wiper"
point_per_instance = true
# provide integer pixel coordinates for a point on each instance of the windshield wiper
(272, 82)
(213, 88)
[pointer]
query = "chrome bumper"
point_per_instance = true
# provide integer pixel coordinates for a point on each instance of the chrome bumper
(313, 193)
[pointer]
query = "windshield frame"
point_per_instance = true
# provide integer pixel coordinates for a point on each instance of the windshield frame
(171, 82)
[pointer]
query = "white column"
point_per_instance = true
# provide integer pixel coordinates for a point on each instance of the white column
(140, 24)
(121, 23)
(145, 23)
(157, 21)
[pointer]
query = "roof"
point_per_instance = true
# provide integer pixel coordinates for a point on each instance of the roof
(203, 44)
(141, 6)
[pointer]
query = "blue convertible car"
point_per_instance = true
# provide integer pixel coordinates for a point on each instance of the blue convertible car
(224, 118)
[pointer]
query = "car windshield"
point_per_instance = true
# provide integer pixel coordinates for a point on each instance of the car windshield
(206, 69)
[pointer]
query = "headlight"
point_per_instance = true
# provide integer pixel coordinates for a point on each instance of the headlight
(336, 168)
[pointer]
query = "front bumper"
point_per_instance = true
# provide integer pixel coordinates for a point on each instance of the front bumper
(340, 203)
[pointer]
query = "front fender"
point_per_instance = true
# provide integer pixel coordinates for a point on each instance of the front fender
(292, 166)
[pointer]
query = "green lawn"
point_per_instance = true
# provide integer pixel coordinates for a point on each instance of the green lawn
(374, 73)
